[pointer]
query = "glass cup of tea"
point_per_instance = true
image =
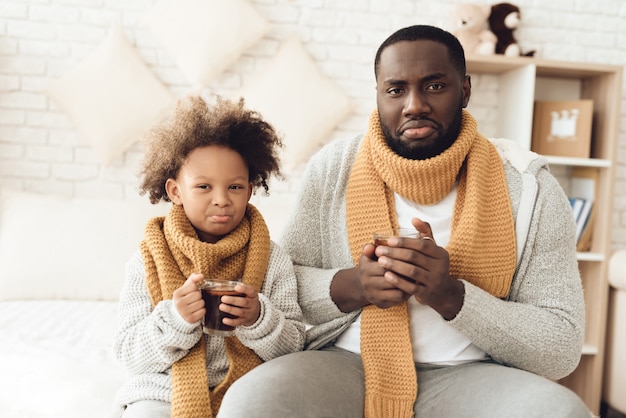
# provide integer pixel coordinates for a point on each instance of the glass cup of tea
(381, 237)
(212, 292)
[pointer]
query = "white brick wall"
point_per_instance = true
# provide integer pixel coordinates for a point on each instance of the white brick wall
(41, 151)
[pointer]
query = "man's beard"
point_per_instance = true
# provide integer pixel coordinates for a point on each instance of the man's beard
(418, 151)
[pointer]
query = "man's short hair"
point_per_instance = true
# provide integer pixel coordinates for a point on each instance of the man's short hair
(426, 33)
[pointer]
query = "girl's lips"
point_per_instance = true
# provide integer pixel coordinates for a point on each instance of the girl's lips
(220, 218)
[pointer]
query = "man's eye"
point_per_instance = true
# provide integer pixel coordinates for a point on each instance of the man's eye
(394, 91)
(435, 86)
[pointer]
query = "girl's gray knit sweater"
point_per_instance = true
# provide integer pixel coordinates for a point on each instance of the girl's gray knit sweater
(150, 339)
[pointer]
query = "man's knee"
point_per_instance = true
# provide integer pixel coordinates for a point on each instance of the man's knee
(556, 401)
(324, 383)
(260, 390)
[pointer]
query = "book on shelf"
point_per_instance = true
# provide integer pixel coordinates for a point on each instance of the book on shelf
(583, 218)
(583, 187)
(577, 204)
(583, 242)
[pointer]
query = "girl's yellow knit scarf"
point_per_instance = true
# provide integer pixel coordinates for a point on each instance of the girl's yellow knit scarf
(172, 251)
(481, 246)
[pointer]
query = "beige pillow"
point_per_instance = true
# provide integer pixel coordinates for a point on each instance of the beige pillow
(58, 248)
(204, 37)
(301, 102)
(111, 96)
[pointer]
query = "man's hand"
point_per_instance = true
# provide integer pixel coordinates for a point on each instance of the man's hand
(388, 275)
(421, 268)
(354, 288)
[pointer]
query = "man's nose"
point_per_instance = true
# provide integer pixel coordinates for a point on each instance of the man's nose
(415, 104)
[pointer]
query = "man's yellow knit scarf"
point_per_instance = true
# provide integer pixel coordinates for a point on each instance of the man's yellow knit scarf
(480, 247)
(172, 251)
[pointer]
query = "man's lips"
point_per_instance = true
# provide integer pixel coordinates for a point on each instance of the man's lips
(418, 129)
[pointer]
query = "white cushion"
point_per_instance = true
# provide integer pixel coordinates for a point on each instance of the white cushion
(276, 209)
(57, 248)
(111, 96)
(617, 270)
(615, 378)
(299, 100)
(204, 37)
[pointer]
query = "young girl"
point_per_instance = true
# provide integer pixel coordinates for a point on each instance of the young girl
(207, 161)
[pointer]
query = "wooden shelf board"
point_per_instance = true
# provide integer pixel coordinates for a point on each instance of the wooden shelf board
(589, 256)
(579, 162)
(589, 350)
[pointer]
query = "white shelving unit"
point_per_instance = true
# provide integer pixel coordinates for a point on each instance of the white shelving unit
(523, 80)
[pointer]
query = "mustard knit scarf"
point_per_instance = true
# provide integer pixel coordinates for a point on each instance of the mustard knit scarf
(480, 244)
(172, 251)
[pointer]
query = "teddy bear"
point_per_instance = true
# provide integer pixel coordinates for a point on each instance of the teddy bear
(503, 20)
(470, 28)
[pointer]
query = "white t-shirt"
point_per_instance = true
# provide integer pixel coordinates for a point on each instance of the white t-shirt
(434, 340)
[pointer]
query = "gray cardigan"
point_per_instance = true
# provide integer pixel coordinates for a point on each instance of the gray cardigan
(540, 325)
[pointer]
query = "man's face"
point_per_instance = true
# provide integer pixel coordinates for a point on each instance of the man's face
(420, 96)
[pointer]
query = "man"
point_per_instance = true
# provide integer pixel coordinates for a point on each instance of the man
(464, 321)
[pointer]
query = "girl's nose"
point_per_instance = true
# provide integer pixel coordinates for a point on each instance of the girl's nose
(220, 197)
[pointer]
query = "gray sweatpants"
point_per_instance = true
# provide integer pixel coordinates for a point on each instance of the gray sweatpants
(329, 384)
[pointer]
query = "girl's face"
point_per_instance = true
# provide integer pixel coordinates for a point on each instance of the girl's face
(213, 187)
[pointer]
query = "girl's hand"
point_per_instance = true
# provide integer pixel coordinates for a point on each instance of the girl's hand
(188, 299)
(246, 308)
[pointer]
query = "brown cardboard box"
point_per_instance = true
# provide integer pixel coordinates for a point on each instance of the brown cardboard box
(562, 128)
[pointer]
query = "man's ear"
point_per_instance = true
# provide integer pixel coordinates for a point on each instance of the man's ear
(467, 89)
(173, 192)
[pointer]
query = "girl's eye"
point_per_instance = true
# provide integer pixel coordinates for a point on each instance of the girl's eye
(236, 187)
(204, 186)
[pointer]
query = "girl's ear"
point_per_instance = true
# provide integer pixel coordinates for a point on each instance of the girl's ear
(173, 192)
(249, 191)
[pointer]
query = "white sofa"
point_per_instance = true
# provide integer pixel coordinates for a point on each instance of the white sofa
(61, 271)
(615, 362)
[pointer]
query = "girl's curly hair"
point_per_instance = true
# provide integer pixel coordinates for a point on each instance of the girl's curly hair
(196, 124)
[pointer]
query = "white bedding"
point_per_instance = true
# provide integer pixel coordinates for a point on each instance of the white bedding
(54, 362)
